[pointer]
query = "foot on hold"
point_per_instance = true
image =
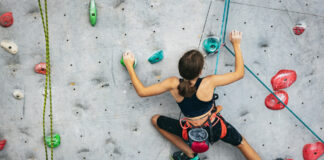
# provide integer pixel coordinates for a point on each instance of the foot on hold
(6, 20)
(18, 94)
(211, 45)
(273, 103)
(56, 140)
(40, 68)
(299, 28)
(313, 151)
(179, 155)
(93, 13)
(283, 79)
(156, 57)
(122, 62)
(2, 144)
(9, 46)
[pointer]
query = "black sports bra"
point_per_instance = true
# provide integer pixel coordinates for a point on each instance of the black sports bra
(193, 107)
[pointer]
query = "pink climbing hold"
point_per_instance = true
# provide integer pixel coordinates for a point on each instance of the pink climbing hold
(6, 19)
(2, 144)
(273, 103)
(299, 28)
(40, 68)
(313, 151)
(283, 79)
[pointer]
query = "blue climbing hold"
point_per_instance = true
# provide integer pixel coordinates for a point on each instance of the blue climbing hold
(211, 45)
(156, 57)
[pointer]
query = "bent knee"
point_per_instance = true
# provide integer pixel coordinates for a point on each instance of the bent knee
(154, 119)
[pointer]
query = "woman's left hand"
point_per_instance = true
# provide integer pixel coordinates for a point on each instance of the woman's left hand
(129, 59)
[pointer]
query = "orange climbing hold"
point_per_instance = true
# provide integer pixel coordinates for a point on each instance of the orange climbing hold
(40, 68)
(273, 103)
(283, 79)
(313, 151)
(6, 19)
(2, 144)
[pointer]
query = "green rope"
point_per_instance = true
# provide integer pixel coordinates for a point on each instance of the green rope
(48, 79)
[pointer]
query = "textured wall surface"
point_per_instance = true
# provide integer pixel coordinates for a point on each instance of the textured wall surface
(101, 117)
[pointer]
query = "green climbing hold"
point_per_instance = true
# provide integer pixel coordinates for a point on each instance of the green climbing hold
(56, 140)
(93, 13)
(156, 57)
(122, 62)
(211, 45)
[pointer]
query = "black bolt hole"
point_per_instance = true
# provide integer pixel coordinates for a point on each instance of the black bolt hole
(123, 9)
(315, 153)
(183, 28)
(285, 79)
(9, 47)
(71, 65)
(93, 14)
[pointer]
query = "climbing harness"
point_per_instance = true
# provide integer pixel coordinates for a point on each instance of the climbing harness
(197, 137)
(48, 79)
(202, 145)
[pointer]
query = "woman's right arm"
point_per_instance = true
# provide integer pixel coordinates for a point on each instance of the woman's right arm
(224, 79)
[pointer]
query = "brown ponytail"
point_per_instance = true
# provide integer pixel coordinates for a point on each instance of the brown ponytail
(190, 66)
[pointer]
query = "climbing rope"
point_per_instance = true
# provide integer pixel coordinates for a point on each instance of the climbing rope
(294, 114)
(48, 78)
(222, 34)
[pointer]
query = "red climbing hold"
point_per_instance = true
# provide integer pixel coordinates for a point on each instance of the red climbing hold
(2, 144)
(313, 151)
(6, 19)
(299, 28)
(40, 68)
(273, 103)
(283, 79)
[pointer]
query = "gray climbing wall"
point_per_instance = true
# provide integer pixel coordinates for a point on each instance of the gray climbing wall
(96, 110)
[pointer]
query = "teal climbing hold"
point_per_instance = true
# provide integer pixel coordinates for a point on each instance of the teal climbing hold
(156, 57)
(122, 62)
(211, 45)
(56, 140)
(93, 13)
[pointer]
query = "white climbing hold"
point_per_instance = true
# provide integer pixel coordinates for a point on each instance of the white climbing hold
(18, 94)
(9, 46)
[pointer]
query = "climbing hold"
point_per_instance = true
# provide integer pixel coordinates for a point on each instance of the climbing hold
(40, 68)
(313, 151)
(9, 46)
(18, 94)
(273, 103)
(2, 144)
(93, 13)
(122, 62)
(56, 140)
(299, 28)
(156, 57)
(283, 79)
(211, 45)
(6, 20)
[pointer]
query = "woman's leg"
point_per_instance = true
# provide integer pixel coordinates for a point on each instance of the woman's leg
(248, 151)
(174, 139)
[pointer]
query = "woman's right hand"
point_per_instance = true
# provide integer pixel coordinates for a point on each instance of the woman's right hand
(235, 37)
(129, 59)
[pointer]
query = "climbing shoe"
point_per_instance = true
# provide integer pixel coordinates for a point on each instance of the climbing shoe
(181, 156)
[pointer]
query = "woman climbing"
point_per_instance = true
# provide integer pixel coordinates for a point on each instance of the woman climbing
(194, 95)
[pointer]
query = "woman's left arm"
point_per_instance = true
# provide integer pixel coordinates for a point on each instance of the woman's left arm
(141, 90)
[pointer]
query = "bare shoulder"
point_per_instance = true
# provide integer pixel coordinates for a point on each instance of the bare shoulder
(173, 81)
